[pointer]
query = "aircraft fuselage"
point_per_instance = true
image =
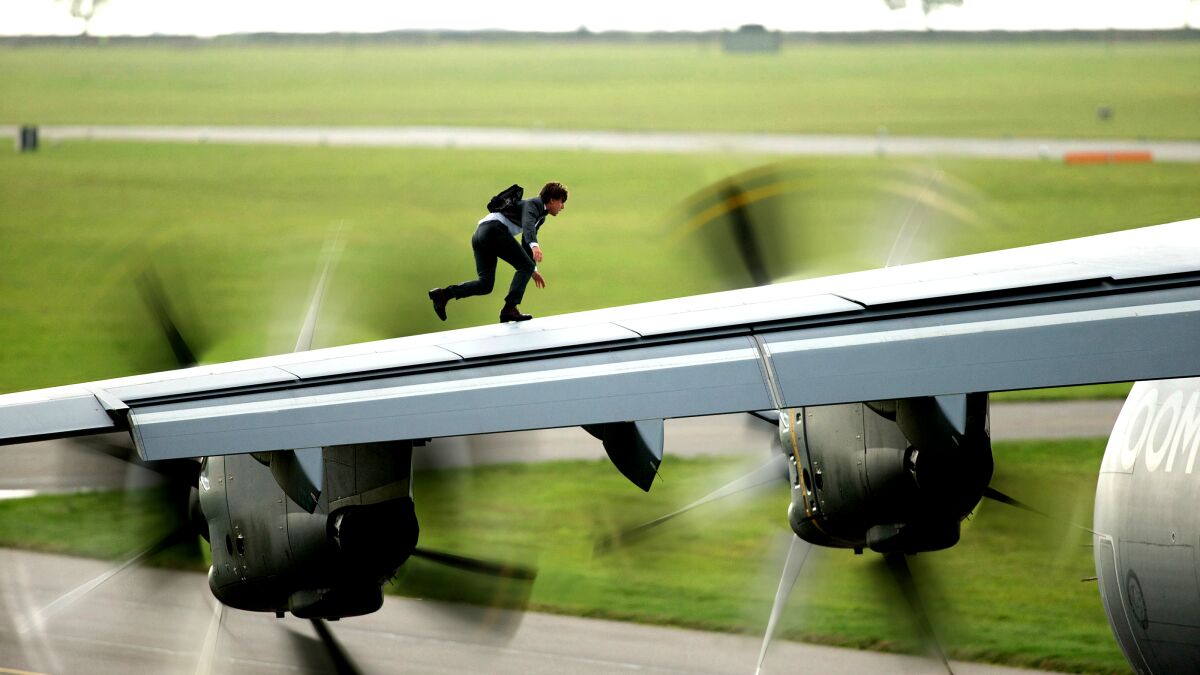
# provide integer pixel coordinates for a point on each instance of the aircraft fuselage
(1148, 527)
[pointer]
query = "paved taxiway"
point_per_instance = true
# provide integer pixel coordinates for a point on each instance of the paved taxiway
(159, 621)
(619, 141)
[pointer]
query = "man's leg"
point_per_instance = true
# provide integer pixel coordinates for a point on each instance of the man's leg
(485, 267)
(512, 253)
(483, 245)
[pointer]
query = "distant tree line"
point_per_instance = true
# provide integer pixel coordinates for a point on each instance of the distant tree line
(714, 38)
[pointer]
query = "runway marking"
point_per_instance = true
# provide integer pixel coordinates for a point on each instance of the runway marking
(510, 650)
(38, 620)
(14, 671)
(96, 642)
(208, 649)
(16, 494)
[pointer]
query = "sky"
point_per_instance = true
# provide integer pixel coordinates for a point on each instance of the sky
(215, 17)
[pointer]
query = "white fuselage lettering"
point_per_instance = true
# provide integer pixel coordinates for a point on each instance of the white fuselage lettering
(1160, 432)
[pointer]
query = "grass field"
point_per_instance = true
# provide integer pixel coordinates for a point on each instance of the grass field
(981, 89)
(1008, 593)
(236, 232)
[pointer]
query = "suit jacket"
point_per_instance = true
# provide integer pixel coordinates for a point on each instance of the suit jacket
(522, 218)
(533, 215)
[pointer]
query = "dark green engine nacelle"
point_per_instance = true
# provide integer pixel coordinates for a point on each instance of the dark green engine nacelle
(892, 476)
(271, 554)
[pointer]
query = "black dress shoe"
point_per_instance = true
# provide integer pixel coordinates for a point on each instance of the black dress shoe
(513, 314)
(439, 298)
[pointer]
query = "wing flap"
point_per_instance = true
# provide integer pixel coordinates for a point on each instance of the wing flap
(65, 415)
(668, 380)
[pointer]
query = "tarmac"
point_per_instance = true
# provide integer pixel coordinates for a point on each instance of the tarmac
(165, 622)
(497, 138)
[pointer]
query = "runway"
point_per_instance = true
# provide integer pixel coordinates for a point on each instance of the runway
(493, 138)
(159, 621)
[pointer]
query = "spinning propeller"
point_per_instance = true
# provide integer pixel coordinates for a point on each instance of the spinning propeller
(462, 578)
(740, 219)
(785, 221)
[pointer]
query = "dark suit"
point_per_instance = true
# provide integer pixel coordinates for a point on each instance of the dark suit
(494, 239)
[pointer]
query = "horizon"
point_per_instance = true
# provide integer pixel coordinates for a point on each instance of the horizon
(132, 18)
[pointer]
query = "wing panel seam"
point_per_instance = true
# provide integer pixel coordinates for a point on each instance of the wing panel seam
(768, 369)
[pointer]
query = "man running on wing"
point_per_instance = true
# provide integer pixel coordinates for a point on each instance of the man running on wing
(495, 238)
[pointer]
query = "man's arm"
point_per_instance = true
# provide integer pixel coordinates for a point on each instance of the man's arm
(530, 215)
(534, 253)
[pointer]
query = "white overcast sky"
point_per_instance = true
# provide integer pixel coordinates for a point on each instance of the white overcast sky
(214, 17)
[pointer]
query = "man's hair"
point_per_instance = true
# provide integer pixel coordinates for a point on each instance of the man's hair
(553, 191)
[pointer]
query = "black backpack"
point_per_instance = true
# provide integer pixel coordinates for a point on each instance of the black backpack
(508, 202)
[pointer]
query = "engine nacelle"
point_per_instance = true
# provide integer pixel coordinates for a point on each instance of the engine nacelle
(271, 555)
(897, 475)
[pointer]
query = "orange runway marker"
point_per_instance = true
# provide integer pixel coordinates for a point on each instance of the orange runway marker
(1121, 157)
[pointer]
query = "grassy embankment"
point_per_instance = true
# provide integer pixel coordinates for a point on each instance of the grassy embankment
(1008, 593)
(982, 89)
(237, 232)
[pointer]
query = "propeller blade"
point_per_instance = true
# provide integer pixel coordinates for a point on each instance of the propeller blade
(907, 231)
(329, 259)
(185, 472)
(151, 289)
(998, 496)
(771, 473)
(477, 565)
(769, 416)
(797, 553)
(208, 648)
(182, 477)
(745, 238)
(897, 564)
(107, 444)
(773, 222)
(747, 223)
(66, 600)
(483, 598)
(342, 664)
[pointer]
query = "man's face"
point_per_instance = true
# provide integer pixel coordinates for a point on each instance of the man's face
(556, 206)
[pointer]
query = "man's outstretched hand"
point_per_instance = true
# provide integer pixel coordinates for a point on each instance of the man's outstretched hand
(537, 254)
(537, 279)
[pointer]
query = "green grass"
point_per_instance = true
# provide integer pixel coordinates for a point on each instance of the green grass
(985, 89)
(236, 233)
(107, 525)
(1008, 593)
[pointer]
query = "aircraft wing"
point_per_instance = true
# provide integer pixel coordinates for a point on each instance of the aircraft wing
(1115, 307)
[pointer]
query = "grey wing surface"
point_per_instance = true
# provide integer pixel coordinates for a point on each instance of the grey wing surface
(1115, 307)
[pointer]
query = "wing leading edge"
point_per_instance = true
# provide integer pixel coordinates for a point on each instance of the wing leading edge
(1116, 307)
